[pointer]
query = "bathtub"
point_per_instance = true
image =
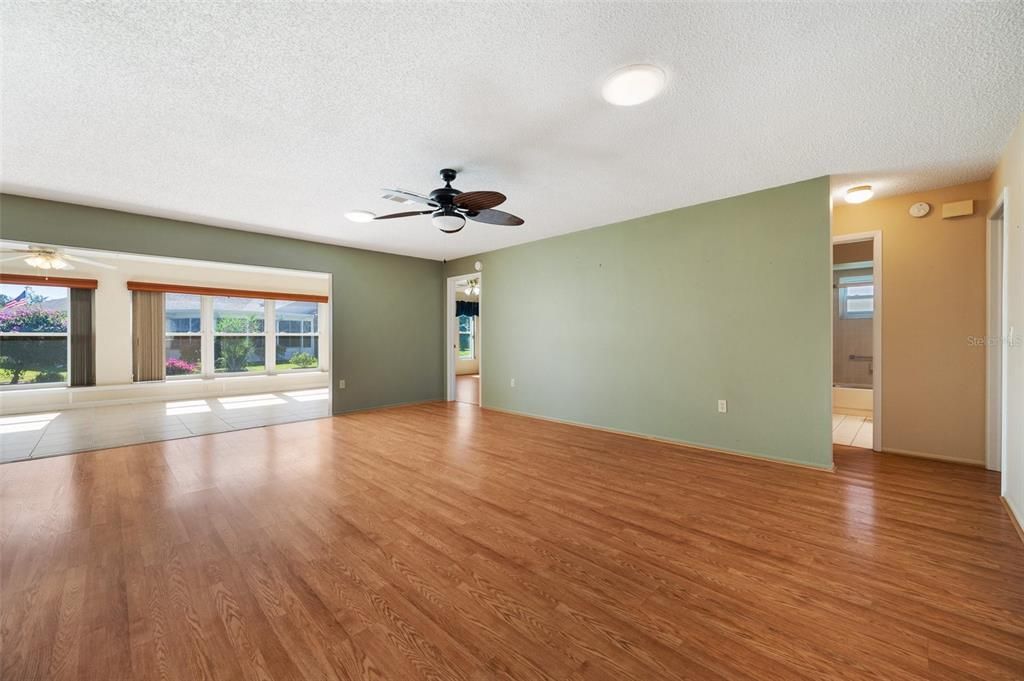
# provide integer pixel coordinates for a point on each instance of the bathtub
(852, 401)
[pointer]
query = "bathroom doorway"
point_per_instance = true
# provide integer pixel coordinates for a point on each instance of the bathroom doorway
(856, 340)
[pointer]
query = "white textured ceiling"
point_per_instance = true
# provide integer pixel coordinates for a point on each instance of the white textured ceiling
(279, 117)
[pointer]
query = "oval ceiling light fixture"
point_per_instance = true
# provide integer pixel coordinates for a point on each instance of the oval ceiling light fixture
(360, 216)
(859, 194)
(632, 85)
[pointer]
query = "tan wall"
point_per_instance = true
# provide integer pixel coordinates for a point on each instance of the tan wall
(1010, 174)
(933, 288)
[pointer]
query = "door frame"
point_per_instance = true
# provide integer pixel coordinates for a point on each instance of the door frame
(875, 237)
(451, 335)
(996, 241)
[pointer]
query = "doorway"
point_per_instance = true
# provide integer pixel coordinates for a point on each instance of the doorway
(857, 340)
(996, 342)
(464, 329)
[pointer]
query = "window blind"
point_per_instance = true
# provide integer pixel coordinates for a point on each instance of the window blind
(147, 336)
(83, 338)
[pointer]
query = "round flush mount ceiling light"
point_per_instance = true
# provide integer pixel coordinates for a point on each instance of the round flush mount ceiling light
(632, 85)
(360, 215)
(859, 194)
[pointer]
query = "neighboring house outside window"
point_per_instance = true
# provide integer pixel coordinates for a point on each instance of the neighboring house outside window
(34, 346)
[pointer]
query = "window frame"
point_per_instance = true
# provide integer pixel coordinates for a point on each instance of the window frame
(855, 281)
(209, 334)
(47, 334)
(214, 335)
(312, 335)
(203, 325)
(472, 338)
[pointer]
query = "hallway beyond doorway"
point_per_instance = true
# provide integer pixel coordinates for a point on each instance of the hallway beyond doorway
(467, 388)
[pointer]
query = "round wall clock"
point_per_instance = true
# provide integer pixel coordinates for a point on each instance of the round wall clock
(919, 210)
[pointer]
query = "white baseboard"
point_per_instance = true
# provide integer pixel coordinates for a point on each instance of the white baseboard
(1015, 517)
(934, 457)
(667, 441)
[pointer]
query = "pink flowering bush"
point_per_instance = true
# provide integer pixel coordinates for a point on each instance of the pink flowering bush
(29, 319)
(179, 367)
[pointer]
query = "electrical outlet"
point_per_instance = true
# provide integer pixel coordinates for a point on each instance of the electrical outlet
(513, 383)
(341, 384)
(723, 406)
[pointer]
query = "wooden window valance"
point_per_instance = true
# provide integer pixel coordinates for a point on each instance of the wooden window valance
(45, 280)
(226, 292)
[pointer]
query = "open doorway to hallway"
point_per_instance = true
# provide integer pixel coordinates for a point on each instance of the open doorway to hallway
(856, 340)
(464, 334)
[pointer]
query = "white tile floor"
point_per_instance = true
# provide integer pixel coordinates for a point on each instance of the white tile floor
(855, 431)
(26, 436)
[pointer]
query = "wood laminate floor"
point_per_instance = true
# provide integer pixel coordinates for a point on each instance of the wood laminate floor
(442, 541)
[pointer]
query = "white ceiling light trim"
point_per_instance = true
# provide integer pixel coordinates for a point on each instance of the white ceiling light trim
(632, 85)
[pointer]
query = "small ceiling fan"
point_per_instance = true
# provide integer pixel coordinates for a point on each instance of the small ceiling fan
(49, 258)
(448, 206)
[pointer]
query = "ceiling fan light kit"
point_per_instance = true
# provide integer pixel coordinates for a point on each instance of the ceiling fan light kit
(47, 262)
(448, 220)
(44, 258)
(448, 207)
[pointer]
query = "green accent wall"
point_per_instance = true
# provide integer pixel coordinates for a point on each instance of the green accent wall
(387, 323)
(642, 326)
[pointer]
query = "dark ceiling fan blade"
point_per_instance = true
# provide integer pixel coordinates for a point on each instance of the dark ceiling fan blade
(477, 201)
(406, 197)
(404, 215)
(495, 217)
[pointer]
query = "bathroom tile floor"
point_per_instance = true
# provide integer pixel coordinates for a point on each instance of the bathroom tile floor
(854, 431)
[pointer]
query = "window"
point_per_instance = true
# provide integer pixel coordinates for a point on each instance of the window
(239, 340)
(297, 337)
(183, 334)
(33, 335)
(467, 348)
(856, 296)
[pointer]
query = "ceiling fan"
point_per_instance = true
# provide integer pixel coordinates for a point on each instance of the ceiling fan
(49, 258)
(448, 206)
